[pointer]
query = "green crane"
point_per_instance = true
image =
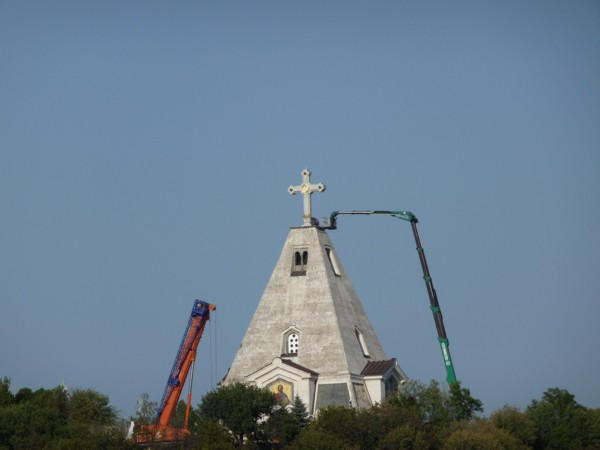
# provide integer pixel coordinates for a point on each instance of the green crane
(433, 300)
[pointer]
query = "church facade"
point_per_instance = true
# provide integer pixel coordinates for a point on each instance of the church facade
(310, 336)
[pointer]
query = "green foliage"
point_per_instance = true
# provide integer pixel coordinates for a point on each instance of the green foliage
(57, 419)
(300, 413)
(594, 428)
(6, 396)
(24, 395)
(340, 422)
(430, 401)
(517, 423)
(56, 399)
(281, 427)
(367, 428)
(421, 417)
(209, 435)
(35, 423)
(437, 408)
(375, 423)
(314, 438)
(405, 437)
(90, 408)
(239, 408)
(462, 404)
(406, 409)
(562, 422)
(480, 434)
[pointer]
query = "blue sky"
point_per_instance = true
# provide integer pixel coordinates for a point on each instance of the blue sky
(146, 149)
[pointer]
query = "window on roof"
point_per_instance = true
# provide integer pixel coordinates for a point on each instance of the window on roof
(291, 342)
(362, 343)
(333, 261)
(299, 262)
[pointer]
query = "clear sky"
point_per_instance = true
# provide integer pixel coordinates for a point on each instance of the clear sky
(146, 149)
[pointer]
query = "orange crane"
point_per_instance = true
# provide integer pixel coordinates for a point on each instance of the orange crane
(161, 430)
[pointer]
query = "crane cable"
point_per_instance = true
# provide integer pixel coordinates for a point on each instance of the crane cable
(213, 349)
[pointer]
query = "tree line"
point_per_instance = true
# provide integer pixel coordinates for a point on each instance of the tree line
(57, 418)
(421, 417)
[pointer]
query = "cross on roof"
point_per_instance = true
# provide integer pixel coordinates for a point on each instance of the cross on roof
(306, 189)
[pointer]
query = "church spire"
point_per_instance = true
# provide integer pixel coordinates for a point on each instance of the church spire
(310, 335)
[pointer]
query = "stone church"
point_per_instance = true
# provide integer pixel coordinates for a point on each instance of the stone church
(310, 336)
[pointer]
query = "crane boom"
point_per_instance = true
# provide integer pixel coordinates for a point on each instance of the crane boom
(433, 300)
(184, 360)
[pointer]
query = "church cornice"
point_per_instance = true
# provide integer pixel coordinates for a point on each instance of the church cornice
(298, 366)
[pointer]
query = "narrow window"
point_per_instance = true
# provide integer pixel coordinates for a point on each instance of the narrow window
(293, 343)
(362, 343)
(332, 260)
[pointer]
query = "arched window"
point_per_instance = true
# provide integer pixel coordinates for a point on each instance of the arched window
(299, 262)
(293, 342)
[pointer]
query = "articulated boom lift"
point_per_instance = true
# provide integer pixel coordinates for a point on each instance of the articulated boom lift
(433, 300)
(184, 361)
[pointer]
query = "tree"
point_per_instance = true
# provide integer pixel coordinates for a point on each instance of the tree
(209, 435)
(300, 413)
(56, 419)
(339, 421)
(406, 409)
(594, 421)
(24, 395)
(375, 423)
(33, 426)
(480, 434)
(312, 438)
(562, 422)
(431, 402)
(281, 427)
(145, 409)
(6, 396)
(437, 407)
(90, 408)
(405, 437)
(463, 405)
(35, 422)
(240, 408)
(517, 423)
(285, 423)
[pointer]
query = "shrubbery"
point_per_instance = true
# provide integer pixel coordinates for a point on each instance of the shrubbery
(421, 417)
(58, 419)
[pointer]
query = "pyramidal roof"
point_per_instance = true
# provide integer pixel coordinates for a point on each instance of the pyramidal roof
(316, 300)
(310, 334)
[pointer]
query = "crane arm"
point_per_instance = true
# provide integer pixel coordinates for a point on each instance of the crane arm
(403, 215)
(183, 361)
(433, 300)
